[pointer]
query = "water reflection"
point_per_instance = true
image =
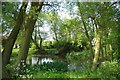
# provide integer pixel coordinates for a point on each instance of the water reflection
(72, 64)
(38, 60)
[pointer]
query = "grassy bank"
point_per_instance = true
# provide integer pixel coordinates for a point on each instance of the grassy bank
(16, 51)
(107, 69)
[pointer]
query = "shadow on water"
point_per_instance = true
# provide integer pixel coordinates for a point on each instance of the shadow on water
(71, 64)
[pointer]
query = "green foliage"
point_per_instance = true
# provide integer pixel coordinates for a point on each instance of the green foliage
(51, 51)
(48, 75)
(33, 46)
(31, 51)
(9, 15)
(106, 70)
(13, 72)
(97, 16)
(15, 52)
(79, 55)
(60, 70)
(47, 44)
(85, 73)
(51, 66)
(110, 68)
(60, 44)
(9, 70)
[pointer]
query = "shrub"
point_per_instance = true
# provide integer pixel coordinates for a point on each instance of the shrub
(50, 66)
(78, 55)
(110, 69)
(15, 52)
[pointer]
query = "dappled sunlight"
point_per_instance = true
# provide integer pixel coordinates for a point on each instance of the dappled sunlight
(66, 40)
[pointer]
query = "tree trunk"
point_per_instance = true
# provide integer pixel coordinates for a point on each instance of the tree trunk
(102, 52)
(41, 40)
(90, 41)
(9, 43)
(35, 42)
(55, 33)
(97, 51)
(87, 35)
(29, 27)
(111, 52)
(0, 65)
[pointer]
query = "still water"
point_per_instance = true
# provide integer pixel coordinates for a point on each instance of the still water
(72, 64)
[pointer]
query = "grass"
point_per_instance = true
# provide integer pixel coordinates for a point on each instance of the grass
(107, 70)
(32, 51)
(74, 74)
(48, 74)
(16, 51)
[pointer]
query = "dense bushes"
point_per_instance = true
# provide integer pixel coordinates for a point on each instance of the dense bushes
(110, 68)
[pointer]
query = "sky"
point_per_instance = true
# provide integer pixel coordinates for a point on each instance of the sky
(64, 13)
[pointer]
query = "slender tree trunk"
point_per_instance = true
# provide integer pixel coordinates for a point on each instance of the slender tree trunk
(38, 45)
(105, 53)
(35, 37)
(98, 35)
(56, 38)
(0, 64)
(110, 52)
(97, 52)
(55, 31)
(9, 43)
(35, 42)
(0, 55)
(110, 46)
(29, 27)
(87, 35)
(41, 40)
(102, 51)
(90, 41)
(91, 50)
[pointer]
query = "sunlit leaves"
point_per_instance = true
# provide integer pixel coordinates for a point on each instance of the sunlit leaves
(9, 15)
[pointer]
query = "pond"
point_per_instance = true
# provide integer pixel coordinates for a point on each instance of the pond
(72, 64)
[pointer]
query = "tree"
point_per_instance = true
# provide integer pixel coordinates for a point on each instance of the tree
(12, 38)
(98, 21)
(54, 19)
(85, 28)
(104, 24)
(29, 27)
(117, 28)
